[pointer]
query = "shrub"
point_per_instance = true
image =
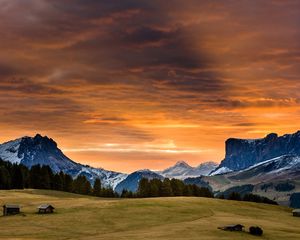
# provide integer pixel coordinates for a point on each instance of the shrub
(257, 231)
(284, 187)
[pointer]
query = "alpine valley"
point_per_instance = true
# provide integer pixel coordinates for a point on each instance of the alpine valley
(268, 166)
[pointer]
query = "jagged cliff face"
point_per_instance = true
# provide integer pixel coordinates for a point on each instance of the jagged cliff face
(242, 153)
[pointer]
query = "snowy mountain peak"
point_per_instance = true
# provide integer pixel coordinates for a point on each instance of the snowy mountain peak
(144, 171)
(182, 164)
(182, 170)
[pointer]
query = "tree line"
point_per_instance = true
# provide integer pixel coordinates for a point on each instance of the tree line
(18, 176)
(170, 188)
(249, 197)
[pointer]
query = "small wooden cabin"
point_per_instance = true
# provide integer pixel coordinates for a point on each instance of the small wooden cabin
(45, 208)
(10, 209)
(296, 213)
(233, 227)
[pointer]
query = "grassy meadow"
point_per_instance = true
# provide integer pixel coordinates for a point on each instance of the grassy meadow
(82, 217)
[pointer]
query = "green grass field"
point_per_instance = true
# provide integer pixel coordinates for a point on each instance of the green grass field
(81, 217)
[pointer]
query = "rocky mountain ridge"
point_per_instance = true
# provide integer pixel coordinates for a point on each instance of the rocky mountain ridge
(243, 153)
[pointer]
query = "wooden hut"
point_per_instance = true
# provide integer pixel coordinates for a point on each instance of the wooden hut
(45, 208)
(10, 209)
(296, 213)
(233, 227)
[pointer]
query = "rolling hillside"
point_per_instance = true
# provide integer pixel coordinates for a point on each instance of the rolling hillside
(81, 217)
(265, 178)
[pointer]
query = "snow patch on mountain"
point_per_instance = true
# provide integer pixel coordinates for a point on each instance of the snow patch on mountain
(108, 178)
(278, 164)
(9, 151)
(221, 170)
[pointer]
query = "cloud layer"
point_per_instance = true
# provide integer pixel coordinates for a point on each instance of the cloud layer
(146, 73)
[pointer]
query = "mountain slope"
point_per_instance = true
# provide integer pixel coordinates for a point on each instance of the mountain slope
(44, 151)
(287, 165)
(181, 170)
(131, 182)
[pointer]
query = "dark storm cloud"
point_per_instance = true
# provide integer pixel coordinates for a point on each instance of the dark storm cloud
(104, 37)
(26, 86)
(146, 35)
(105, 42)
(154, 48)
(257, 103)
(113, 119)
(6, 71)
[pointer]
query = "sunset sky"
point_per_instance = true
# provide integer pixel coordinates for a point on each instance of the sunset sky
(129, 85)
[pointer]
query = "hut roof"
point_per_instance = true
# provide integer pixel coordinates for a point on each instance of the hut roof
(11, 206)
(296, 211)
(45, 206)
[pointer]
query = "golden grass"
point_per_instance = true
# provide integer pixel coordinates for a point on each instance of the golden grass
(81, 217)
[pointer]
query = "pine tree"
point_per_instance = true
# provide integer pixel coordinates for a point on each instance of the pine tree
(35, 177)
(46, 176)
(97, 187)
(57, 183)
(81, 185)
(144, 188)
(177, 187)
(126, 194)
(5, 178)
(166, 189)
(25, 175)
(16, 177)
(154, 188)
(188, 190)
(234, 196)
(68, 182)
(107, 192)
(87, 188)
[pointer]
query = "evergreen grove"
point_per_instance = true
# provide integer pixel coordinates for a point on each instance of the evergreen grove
(14, 176)
(18, 176)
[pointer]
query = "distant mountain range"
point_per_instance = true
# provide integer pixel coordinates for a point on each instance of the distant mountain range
(268, 166)
(181, 170)
(31, 151)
